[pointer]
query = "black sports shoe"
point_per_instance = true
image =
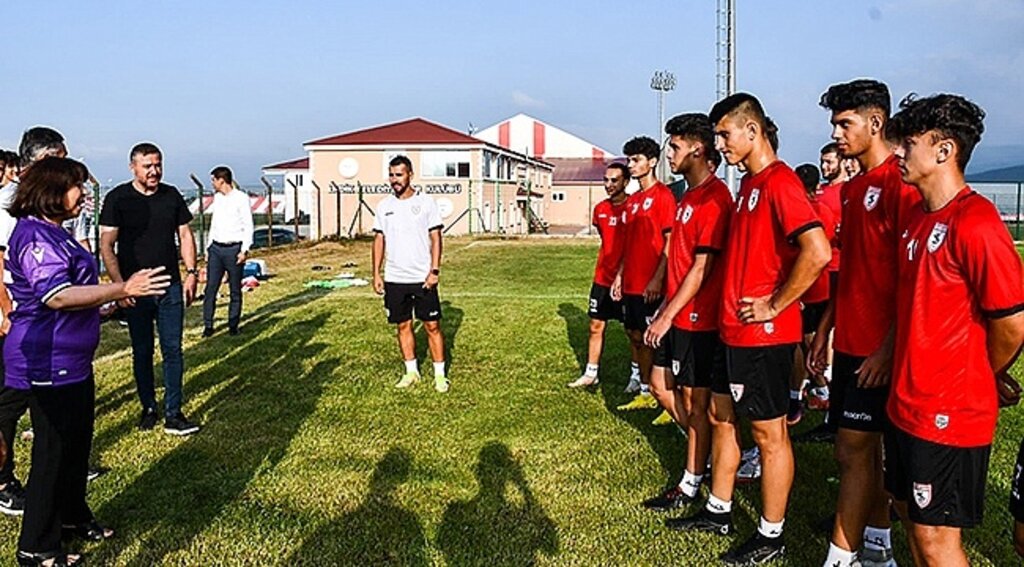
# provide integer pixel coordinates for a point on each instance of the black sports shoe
(702, 521)
(757, 550)
(178, 424)
(795, 412)
(12, 498)
(233, 331)
(670, 499)
(95, 472)
(207, 332)
(823, 433)
(148, 419)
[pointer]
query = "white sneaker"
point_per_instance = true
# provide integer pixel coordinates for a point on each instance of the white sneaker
(751, 453)
(749, 471)
(876, 558)
(633, 386)
(584, 381)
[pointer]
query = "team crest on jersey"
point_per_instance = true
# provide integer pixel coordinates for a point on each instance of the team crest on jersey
(648, 202)
(752, 201)
(613, 221)
(675, 367)
(942, 421)
(922, 495)
(769, 327)
(872, 197)
(415, 209)
(687, 213)
(937, 237)
(693, 317)
(737, 391)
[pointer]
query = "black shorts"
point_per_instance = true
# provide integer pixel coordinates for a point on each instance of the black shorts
(759, 380)
(941, 484)
(695, 358)
(811, 314)
(833, 283)
(401, 299)
(850, 407)
(638, 313)
(602, 306)
(1017, 487)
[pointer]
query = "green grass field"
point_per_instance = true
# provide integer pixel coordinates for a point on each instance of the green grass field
(309, 456)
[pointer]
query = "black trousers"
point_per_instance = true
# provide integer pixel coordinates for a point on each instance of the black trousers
(220, 259)
(62, 418)
(13, 404)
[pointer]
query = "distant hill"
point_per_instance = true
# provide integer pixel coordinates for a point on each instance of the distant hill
(1012, 174)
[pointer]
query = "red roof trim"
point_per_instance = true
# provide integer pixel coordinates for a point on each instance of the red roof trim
(412, 131)
(298, 163)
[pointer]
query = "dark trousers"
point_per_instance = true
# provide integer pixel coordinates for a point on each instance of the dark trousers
(221, 259)
(13, 404)
(62, 419)
(168, 311)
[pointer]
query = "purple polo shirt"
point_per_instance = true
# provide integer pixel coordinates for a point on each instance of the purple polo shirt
(47, 347)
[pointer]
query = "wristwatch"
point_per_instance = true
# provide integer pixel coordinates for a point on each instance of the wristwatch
(435, 271)
(193, 271)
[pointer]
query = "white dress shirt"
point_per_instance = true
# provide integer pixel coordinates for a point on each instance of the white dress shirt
(232, 219)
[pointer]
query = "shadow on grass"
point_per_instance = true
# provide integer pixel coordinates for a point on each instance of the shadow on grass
(249, 424)
(492, 528)
(665, 441)
(450, 323)
(378, 532)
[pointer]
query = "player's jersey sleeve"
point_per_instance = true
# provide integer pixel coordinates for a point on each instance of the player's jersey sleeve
(378, 219)
(433, 215)
(666, 211)
(46, 267)
(714, 226)
(791, 207)
(991, 265)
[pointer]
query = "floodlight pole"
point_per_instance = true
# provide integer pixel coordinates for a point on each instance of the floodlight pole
(662, 82)
(726, 59)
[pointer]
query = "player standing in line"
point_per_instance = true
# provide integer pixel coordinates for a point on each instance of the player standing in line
(775, 250)
(609, 219)
(862, 312)
(641, 278)
(685, 332)
(408, 226)
(959, 328)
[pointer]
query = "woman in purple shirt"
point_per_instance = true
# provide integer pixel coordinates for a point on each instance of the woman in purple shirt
(55, 328)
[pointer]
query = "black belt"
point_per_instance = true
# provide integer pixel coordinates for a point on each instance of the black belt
(227, 244)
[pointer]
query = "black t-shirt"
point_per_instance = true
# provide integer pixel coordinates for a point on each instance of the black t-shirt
(147, 226)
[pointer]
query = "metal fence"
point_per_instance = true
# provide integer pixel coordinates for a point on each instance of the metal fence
(1007, 198)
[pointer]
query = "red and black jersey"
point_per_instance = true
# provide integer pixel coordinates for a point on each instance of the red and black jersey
(701, 227)
(957, 269)
(649, 216)
(771, 211)
(819, 290)
(831, 197)
(610, 221)
(875, 202)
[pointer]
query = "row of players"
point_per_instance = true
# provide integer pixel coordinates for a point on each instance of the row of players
(926, 315)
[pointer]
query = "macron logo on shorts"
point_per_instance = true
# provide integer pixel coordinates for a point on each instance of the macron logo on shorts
(857, 416)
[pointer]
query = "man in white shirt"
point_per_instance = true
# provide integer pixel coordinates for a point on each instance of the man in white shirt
(408, 224)
(230, 239)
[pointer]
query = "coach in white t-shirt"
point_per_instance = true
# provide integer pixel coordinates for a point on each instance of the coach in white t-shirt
(408, 227)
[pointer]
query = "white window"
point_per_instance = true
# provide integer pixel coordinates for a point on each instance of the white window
(450, 164)
(558, 196)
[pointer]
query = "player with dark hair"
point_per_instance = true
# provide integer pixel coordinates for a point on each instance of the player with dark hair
(685, 332)
(776, 249)
(862, 312)
(641, 278)
(609, 220)
(959, 328)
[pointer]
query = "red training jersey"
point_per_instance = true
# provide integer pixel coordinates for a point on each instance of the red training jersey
(649, 216)
(701, 226)
(957, 268)
(874, 203)
(830, 196)
(819, 290)
(610, 221)
(772, 209)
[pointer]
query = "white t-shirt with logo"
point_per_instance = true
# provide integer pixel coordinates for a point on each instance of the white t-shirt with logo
(406, 225)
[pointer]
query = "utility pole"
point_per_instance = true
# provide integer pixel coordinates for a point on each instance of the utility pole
(662, 82)
(725, 48)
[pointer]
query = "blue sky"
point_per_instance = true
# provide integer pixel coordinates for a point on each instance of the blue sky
(246, 82)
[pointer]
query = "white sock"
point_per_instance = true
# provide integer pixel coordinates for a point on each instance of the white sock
(690, 483)
(770, 529)
(821, 392)
(591, 370)
(839, 557)
(718, 506)
(645, 389)
(412, 366)
(439, 369)
(827, 373)
(794, 394)
(634, 371)
(877, 538)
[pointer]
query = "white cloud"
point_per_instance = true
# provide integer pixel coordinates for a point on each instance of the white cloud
(526, 101)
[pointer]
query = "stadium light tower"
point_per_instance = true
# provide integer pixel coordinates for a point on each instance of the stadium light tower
(725, 49)
(662, 82)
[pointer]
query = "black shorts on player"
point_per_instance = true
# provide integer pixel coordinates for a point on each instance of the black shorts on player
(638, 313)
(852, 407)
(401, 299)
(696, 358)
(602, 307)
(1017, 487)
(942, 485)
(811, 315)
(759, 380)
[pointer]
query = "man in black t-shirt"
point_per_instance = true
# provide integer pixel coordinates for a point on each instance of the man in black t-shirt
(143, 217)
